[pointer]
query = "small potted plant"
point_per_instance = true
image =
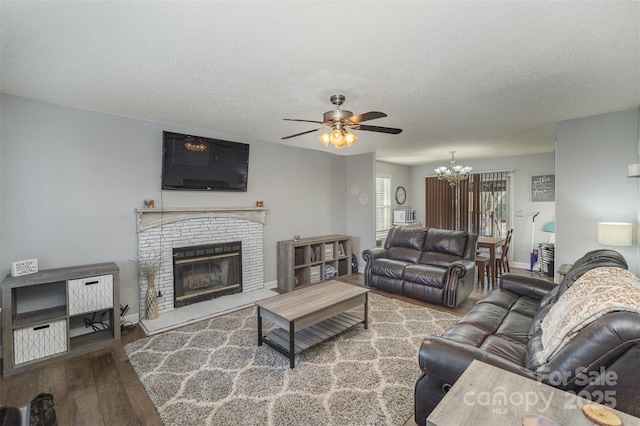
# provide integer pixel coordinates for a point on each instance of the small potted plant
(148, 267)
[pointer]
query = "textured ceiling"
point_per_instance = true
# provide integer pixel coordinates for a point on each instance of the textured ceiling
(486, 79)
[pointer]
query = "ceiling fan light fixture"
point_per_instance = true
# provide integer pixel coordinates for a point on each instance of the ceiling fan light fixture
(337, 140)
(350, 139)
(340, 121)
(325, 139)
(336, 136)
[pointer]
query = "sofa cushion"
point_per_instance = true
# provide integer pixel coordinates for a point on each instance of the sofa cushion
(446, 241)
(501, 298)
(387, 284)
(423, 292)
(405, 254)
(434, 258)
(526, 306)
(433, 276)
(400, 236)
(388, 268)
(515, 326)
(467, 334)
(485, 316)
(493, 329)
(505, 347)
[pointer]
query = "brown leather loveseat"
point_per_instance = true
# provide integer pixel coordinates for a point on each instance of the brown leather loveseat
(428, 264)
(505, 329)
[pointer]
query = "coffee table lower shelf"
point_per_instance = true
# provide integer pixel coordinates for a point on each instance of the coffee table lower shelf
(310, 336)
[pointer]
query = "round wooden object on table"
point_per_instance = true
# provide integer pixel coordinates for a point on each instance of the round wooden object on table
(601, 415)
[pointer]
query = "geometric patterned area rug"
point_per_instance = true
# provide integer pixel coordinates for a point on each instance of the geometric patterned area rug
(214, 373)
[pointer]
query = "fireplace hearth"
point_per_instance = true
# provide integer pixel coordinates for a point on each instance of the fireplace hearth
(205, 272)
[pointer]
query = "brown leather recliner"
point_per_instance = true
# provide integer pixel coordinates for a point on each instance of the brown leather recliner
(428, 264)
(503, 329)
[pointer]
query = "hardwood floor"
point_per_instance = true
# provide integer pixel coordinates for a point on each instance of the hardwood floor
(101, 388)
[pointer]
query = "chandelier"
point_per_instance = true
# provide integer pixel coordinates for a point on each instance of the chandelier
(454, 173)
(193, 144)
(339, 137)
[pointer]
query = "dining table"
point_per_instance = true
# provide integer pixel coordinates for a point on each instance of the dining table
(491, 243)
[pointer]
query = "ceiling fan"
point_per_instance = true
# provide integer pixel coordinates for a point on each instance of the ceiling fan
(340, 121)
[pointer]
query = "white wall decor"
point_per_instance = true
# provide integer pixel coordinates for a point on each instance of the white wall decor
(24, 267)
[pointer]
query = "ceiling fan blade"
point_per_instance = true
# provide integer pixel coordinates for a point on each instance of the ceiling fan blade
(371, 115)
(305, 121)
(303, 133)
(389, 130)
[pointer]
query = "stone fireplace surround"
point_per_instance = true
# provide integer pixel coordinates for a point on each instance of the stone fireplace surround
(162, 230)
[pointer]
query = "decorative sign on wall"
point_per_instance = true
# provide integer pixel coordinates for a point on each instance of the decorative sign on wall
(543, 188)
(24, 267)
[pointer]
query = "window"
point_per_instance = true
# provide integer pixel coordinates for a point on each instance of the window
(493, 215)
(383, 204)
(480, 204)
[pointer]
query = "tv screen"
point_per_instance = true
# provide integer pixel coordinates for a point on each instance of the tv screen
(198, 163)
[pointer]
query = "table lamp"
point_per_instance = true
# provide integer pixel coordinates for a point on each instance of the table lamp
(549, 227)
(615, 234)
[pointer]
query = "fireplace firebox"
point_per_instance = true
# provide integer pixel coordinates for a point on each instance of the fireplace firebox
(204, 272)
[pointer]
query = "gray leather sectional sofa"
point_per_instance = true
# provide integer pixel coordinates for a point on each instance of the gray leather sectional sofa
(504, 329)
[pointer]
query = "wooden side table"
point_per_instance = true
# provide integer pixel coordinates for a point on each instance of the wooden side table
(488, 395)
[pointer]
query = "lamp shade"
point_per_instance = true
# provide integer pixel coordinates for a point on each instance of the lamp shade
(549, 227)
(615, 234)
(324, 138)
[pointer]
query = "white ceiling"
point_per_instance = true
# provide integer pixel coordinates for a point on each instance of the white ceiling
(484, 78)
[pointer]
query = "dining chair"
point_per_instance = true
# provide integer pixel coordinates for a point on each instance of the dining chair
(482, 264)
(502, 261)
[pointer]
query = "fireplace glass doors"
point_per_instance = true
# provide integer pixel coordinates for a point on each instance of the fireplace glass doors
(204, 272)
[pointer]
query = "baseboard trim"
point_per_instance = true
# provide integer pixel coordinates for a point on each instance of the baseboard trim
(133, 318)
(521, 265)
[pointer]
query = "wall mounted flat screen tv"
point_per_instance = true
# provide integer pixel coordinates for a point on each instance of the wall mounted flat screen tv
(206, 164)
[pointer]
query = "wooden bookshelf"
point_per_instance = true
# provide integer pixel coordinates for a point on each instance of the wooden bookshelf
(312, 260)
(45, 314)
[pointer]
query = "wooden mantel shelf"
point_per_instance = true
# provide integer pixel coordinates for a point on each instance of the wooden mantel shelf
(150, 218)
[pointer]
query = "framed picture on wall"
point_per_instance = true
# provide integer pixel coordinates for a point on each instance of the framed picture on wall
(543, 188)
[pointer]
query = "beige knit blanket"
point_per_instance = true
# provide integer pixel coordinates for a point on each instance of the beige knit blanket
(598, 292)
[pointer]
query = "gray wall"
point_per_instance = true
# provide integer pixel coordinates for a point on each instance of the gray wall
(523, 168)
(399, 177)
(361, 203)
(593, 155)
(71, 179)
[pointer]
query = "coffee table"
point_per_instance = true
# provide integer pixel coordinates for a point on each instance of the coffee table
(309, 316)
